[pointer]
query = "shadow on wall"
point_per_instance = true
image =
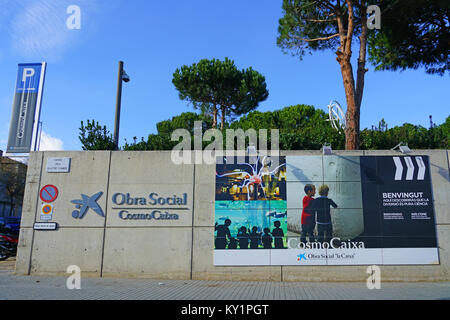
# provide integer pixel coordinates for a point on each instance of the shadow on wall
(298, 173)
(443, 172)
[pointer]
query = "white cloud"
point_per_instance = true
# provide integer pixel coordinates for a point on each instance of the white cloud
(49, 143)
(38, 27)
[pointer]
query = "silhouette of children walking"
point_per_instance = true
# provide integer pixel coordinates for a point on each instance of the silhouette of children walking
(255, 238)
(278, 235)
(243, 238)
(266, 239)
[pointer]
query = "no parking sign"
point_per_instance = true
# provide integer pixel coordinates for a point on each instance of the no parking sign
(48, 193)
(47, 211)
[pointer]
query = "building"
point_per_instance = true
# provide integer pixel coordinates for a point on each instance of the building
(12, 182)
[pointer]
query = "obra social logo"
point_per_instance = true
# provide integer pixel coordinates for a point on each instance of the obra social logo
(85, 203)
(128, 202)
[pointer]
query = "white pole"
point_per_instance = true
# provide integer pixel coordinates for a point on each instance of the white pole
(37, 114)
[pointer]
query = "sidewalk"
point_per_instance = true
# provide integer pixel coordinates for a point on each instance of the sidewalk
(54, 288)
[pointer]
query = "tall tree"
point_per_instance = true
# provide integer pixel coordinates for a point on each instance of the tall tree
(311, 25)
(413, 33)
(219, 85)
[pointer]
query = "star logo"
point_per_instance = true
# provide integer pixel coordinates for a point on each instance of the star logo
(301, 256)
(85, 203)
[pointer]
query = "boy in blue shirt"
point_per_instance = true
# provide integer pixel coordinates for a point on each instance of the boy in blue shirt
(321, 208)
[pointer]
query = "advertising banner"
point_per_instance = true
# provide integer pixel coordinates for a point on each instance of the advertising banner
(26, 108)
(324, 210)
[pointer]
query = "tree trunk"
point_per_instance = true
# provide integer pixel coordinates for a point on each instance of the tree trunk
(352, 115)
(361, 59)
(353, 95)
(222, 124)
(214, 117)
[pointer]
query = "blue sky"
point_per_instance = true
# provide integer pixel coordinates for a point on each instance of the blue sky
(154, 38)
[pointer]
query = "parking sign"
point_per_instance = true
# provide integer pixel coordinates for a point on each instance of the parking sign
(26, 108)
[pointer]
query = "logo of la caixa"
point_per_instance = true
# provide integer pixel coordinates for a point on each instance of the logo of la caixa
(301, 256)
(86, 203)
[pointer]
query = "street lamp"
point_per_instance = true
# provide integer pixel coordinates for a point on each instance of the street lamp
(123, 76)
(402, 147)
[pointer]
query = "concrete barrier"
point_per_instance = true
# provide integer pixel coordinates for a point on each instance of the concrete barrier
(129, 241)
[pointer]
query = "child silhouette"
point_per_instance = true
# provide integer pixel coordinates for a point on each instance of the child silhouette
(267, 239)
(255, 238)
(278, 235)
(233, 243)
(243, 238)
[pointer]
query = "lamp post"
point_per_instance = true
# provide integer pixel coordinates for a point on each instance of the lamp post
(122, 76)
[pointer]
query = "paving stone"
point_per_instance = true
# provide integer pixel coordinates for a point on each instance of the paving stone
(15, 287)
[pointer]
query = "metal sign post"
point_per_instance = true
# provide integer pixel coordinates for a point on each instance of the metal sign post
(23, 129)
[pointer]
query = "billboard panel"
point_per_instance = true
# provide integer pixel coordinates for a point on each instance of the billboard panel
(325, 210)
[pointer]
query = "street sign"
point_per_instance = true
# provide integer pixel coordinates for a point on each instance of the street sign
(58, 165)
(47, 211)
(48, 193)
(45, 226)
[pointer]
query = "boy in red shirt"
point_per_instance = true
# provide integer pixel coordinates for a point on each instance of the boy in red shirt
(308, 220)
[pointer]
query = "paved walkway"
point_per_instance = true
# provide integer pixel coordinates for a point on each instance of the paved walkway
(15, 287)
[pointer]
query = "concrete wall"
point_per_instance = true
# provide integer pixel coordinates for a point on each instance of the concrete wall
(173, 249)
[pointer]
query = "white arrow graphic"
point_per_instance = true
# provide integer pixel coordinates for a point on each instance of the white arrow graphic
(398, 168)
(410, 172)
(421, 173)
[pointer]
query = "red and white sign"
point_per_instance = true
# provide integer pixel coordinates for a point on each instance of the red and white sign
(48, 193)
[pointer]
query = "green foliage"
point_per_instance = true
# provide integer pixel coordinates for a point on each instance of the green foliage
(413, 33)
(183, 121)
(209, 84)
(162, 140)
(298, 23)
(301, 127)
(95, 137)
(417, 137)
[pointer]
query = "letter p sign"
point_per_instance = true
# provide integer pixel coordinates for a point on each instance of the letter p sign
(27, 73)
